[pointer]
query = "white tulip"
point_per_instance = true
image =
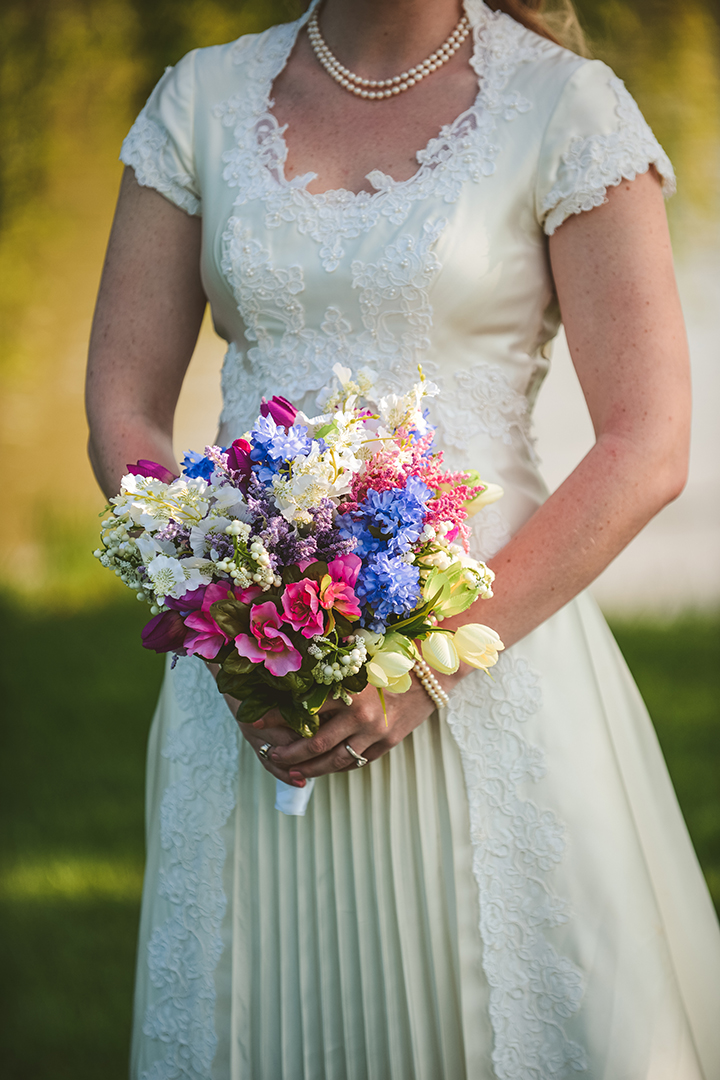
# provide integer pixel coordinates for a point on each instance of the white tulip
(491, 494)
(440, 653)
(477, 645)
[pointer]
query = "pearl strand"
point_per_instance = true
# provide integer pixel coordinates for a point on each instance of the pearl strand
(432, 687)
(376, 89)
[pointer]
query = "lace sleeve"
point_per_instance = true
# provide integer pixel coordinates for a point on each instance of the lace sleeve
(159, 145)
(596, 138)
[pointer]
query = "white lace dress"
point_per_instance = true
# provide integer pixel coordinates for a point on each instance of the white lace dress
(511, 892)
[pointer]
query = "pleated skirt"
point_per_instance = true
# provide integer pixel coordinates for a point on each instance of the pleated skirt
(342, 945)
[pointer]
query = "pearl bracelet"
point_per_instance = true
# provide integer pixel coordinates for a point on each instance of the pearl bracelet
(432, 687)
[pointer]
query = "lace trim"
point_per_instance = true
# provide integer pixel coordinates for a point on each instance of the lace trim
(593, 164)
(148, 150)
(464, 150)
(516, 845)
(184, 951)
(393, 306)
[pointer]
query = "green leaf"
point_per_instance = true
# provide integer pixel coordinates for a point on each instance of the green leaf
(235, 664)
(255, 705)
(298, 719)
(237, 686)
(232, 616)
(291, 575)
(316, 697)
(356, 683)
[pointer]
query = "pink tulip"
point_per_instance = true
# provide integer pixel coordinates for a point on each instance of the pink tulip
(301, 605)
(282, 411)
(143, 467)
(266, 642)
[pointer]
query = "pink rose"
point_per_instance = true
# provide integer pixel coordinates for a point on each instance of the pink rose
(301, 604)
(336, 588)
(266, 642)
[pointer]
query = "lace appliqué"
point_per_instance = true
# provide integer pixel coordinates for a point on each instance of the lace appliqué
(393, 308)
(489, 533)
(464, 150)
(591, 165)
(184, 951)
(516, 845)
(481, 401)
(147, 150)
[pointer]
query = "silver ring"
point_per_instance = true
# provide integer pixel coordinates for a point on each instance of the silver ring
(359, 759)
(264, 749)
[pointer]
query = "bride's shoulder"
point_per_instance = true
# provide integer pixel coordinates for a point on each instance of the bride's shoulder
(219, 68)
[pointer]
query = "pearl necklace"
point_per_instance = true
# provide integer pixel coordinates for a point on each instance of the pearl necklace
(375, 89)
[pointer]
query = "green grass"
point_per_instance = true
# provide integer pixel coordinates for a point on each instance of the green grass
(78, 694)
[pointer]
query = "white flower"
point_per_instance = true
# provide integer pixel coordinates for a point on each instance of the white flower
(166, 576)
(440, 653)
(491, 494)
(199, 532)
(477, 645)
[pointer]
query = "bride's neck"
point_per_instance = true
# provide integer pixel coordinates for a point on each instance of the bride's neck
(376, 38)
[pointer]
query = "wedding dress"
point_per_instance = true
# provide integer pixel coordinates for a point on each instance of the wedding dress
(511, 892)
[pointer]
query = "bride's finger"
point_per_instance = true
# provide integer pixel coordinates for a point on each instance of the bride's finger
(330, 734)
(339, 759)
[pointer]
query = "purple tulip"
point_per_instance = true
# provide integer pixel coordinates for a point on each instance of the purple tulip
(165, 633)
(189, 601)
(143, 467)
(282, 411)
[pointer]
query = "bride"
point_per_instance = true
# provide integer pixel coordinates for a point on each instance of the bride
(508, 889)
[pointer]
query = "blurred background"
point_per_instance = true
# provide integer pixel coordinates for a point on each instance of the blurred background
(78, 689)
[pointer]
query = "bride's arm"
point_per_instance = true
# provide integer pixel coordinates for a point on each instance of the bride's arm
(147, 319)
(615, 282)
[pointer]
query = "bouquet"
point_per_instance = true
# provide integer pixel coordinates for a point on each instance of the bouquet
(311, 556)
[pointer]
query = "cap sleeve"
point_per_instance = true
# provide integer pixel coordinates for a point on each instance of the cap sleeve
(159, 145)
(596, 138)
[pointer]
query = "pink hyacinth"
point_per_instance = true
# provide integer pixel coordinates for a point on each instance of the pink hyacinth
(266, 644)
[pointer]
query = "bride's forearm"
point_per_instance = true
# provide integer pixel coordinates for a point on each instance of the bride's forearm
(116, 441)
(615, 490)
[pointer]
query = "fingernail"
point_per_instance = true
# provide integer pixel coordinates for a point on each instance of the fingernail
(296, 774)
(259, 723)
(274, 756)
(299, 783)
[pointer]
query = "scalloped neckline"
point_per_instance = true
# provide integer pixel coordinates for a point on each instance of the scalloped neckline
(299, 183)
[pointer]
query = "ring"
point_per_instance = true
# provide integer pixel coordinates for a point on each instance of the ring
(263, 751)
(359, 759)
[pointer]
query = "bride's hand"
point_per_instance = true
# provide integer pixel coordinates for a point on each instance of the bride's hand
(361, 725)
(271, 730)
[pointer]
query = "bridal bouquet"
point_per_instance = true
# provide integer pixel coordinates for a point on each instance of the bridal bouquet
(308, 558)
